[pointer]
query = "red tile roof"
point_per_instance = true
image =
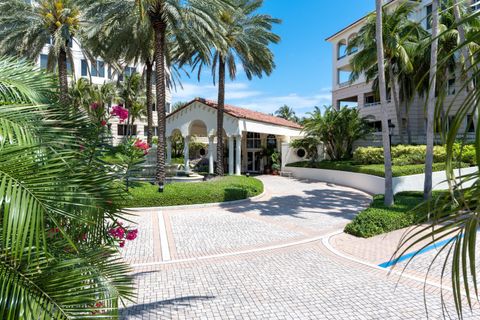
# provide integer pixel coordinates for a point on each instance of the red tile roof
(243, 113)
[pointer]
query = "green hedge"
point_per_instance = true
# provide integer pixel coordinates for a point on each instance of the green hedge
(378, 219)
(217, 190)
(373, 169)
(405, 155)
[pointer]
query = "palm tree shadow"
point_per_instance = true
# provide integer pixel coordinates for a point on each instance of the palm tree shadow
(153, 308)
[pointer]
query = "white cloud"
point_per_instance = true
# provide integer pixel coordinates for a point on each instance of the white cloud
(240, 94)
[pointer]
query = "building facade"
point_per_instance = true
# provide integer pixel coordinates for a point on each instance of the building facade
(359, 93)
(100, 73)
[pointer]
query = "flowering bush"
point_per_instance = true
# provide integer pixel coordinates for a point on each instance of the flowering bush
(120, 234)
(120, 112)
(131, 153)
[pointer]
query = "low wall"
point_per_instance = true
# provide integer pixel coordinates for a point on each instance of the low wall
(374, 184)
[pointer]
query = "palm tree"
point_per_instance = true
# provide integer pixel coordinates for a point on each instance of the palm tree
(400, 40)
(245, 38)
(383, 100)
(130, 92)
(123, 35)
(56, 261)
(427, 189)
(287, 113)
(27, 26)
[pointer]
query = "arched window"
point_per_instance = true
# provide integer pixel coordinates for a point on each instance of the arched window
(271, 141)
(341, 49)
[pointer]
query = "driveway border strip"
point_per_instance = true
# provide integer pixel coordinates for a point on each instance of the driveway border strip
(163, 237)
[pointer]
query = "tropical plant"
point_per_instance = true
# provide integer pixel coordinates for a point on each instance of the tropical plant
(287, 113)
(244, 37)
(57, 202)
(130, 91)
(401, 37)
(336, 129)
(27, 26)
(382, 85)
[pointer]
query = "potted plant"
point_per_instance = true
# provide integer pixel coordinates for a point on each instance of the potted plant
(276, 164)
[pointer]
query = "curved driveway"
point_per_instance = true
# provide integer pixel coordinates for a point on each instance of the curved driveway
(263, 259)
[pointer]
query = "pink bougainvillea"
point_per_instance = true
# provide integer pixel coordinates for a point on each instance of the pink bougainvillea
(120, 112)
(132, 234)
(121, 234)
(141, 145)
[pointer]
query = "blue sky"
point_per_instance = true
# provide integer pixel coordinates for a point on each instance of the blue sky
(302, 78)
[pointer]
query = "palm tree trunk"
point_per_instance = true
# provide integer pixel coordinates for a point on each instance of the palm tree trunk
(63, 76)
(427, 189)
(220, 111)
(149, 71)
(383, 100)
(160, 87)
(466, 57)
(396, 101)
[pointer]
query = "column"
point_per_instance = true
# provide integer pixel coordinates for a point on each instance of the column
(186, 156)
(210, 154)
(230, 156)
(238, 161)
(169, 150)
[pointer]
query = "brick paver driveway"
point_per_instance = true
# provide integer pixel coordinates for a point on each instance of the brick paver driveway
(264, 259)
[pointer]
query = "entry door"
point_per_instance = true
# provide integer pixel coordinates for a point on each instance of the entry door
(254, 161)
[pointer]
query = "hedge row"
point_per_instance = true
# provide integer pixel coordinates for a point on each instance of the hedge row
(405, 155)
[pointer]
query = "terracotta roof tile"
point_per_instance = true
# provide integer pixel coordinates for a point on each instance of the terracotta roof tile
(243, 113)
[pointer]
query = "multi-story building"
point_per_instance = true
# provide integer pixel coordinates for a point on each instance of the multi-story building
(100, 73)
(360, 93)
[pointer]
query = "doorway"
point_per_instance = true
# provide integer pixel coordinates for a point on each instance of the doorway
(254, 159)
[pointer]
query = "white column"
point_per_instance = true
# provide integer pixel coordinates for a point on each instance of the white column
(230, 156)
(238, 161)
(210, 154)
(169, 150)
(186, 156)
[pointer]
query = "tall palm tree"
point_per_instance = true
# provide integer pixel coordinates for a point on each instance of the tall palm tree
(130, 92)
(383, 100)
(400, 40)
(27, 26)
(287, 113)
(55, 261)
(245, 38)
(122, 34)
(427, 189)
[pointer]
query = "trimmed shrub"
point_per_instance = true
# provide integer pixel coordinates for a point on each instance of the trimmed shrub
(405, 155)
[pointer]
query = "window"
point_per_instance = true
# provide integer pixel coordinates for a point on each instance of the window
(271, 141)
(98, 70)
(253, 140)
(343, 77)
(371, 99)
(154, 129)
(301, 153)
(451, 87)
(429, 16)
(341, 49)
(376, 126)
(43, 61)
(168, 107)
(84, 68)
(124, 130)
(470, 124)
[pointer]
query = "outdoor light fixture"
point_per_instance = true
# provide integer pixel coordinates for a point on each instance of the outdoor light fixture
(160, 187)
(391, 127)
(248, 174)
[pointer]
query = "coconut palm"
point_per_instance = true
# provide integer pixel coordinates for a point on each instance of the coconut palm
(245, 39)
(383, 100)
(56, 262)
(401, 37)
(27, 26)
(287, 113)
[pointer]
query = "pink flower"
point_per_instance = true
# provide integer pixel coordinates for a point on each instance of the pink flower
(142, 145)
(120, 112)
(103, 123)
(94, 106)
(132, 235)
(122, 243)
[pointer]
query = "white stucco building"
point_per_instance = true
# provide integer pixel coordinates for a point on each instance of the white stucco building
(246, 132)
(360, 93)
(100, 73)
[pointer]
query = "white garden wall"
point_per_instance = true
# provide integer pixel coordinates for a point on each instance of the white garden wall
(374, 184)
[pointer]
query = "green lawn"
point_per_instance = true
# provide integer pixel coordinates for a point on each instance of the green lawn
(377, 219)
(373, 169)
(218, 190)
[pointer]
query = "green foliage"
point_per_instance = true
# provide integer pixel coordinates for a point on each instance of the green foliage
(287, 113)
(373, 169)
(56, 198)
(276, 161)
(217, 190)
(379, 219)
(336, 129)
(406, 155)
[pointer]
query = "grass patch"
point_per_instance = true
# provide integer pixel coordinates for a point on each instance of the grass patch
(217, 190)
(378, 219)
(373, 169)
